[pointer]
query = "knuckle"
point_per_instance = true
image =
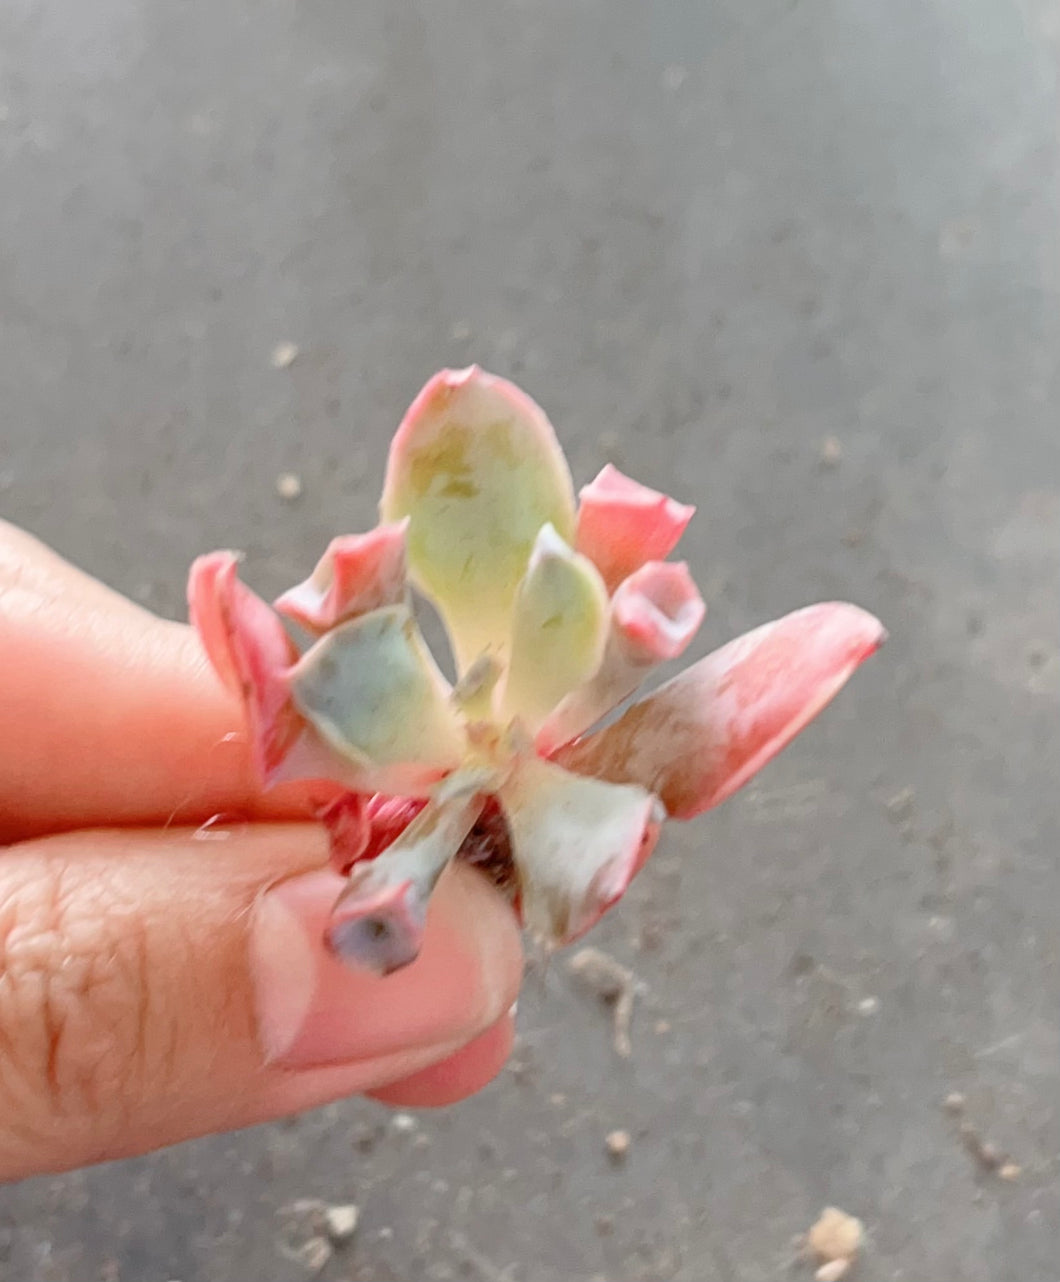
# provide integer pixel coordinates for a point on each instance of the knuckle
(77, 1031)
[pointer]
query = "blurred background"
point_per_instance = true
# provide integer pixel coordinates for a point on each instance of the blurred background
(795, 261)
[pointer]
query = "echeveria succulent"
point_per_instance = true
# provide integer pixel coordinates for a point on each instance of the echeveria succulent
(557, 610)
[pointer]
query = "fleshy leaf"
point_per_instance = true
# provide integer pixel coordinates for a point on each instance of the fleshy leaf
(213, 591)
(357, 574)
(373, 691)
(577, 844)
(655, 613)
(622, 524)
(251, 653)
(559, 627)
(477, 469)
(379, 919)
(701, 736)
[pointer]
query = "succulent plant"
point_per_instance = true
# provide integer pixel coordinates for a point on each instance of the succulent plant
(556, 610)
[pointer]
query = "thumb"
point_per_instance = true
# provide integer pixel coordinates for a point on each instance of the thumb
(154, 987)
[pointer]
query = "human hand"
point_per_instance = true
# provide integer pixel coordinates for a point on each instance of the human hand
(157, 982)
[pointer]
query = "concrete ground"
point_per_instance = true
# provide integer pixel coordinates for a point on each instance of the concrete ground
(708, 237)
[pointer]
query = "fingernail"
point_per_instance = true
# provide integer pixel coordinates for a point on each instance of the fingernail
(313, 1009)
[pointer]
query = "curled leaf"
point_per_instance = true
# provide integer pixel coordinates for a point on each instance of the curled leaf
(358, 573)
(252, 654)
(656, 612)
(623, 524)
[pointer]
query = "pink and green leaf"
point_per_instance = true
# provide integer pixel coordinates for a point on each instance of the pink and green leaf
(357, 574)
(251, 653)
(576, 842)
(477, 470)
(623, 524)
(701, 736)
(373, 692)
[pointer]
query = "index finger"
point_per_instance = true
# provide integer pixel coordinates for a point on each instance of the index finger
(110, 715)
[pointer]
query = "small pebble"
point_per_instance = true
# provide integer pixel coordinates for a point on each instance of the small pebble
(900, 806)
(674, 77)
(284, 355)
(988, 1155)
(831, 451)
(289, 486)
(1010, 1171)
(958, 235)
(365, 1140)
(869, 1005)
(403, 1123)
(954, 1102)
(618, 1143)
(340, 1222)
(662, 1027)
(835, 1236)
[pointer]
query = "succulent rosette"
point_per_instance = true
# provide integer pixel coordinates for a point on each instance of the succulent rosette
(557, 609)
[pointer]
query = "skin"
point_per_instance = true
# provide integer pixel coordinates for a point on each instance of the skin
(131, 999)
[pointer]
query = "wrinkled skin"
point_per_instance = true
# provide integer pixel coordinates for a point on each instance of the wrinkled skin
(557, 610)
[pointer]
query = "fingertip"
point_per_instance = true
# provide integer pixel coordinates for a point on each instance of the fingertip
(457, 1077)
(465, 978)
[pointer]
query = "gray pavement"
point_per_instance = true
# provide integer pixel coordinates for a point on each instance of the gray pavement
(707, 237)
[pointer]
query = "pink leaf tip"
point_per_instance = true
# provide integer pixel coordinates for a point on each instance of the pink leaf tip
(657, 611)
(251, 653)
(622, 524)
(704, 734)
(358, 573)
